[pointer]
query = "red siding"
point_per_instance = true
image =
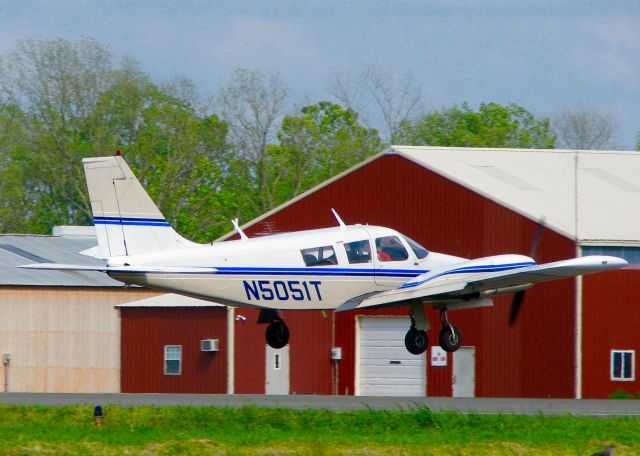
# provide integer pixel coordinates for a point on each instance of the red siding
(145, 332)
(534, 359)
(610, 322)
(309, 352)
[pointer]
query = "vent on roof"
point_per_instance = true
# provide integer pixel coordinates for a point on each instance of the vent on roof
(23, 253)
(612, 179)
(506, 178)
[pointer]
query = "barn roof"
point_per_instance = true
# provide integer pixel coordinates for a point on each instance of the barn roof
(16, 250)
(170, 300)
(591, 196)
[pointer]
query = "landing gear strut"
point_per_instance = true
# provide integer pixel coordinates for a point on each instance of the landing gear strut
(277, 333)
(449, 336)
(416, 340)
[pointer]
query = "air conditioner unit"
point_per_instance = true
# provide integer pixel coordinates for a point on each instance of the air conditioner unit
(209, 345)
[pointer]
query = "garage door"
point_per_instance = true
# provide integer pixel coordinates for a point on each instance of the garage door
(385, 367)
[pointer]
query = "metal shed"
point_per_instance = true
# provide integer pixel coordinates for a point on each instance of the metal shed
(59, 331)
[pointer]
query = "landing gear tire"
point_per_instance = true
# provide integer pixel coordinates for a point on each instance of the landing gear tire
(416, 341)
(449, 338)
(277, 334)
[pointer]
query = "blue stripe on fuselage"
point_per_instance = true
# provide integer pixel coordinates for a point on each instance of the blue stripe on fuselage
(315, 271)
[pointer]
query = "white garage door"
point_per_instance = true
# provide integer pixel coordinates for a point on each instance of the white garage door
(385, 367)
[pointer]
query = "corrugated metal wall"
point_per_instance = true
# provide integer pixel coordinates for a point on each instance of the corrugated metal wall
(62, 340)
(610, 322)
(309, 352)
(146, 330)
(535, 359)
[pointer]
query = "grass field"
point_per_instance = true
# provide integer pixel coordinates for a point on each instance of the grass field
(268, 431)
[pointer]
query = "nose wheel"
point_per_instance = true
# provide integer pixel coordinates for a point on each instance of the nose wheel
(449, 336)
(277, 334)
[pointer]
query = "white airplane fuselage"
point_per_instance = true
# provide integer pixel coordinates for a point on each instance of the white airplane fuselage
(270, 271)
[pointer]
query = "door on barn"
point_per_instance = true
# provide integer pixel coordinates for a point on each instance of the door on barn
(277, 370)
(384, 366)
(464, 372)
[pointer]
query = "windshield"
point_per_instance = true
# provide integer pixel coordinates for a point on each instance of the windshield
(420, 251)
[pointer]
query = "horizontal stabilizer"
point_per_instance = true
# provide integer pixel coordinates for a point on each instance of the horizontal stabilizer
(120, 269)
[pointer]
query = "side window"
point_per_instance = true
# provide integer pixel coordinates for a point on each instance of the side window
(319, 256)
(172, 359)
(389, 248)
(358, 251)
(623, 365)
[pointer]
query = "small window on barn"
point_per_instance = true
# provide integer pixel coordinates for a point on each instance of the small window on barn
(358, 251)
(172, 359)
(319, 256)
(623, 365)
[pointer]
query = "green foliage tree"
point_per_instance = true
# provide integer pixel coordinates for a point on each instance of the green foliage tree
(72, 103)
(324, 140)
(492, 125)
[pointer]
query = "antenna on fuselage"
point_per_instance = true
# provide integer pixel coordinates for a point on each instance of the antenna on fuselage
(340, 222)
(243, 237)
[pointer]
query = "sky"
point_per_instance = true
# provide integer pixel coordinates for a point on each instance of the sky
(544, 55)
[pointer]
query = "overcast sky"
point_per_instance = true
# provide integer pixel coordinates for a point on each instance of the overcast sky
(544, 55)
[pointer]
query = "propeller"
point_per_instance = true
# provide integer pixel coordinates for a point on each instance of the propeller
(518, 296)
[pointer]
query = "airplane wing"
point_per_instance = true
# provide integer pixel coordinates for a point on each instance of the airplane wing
(121, 269)
(457, 284)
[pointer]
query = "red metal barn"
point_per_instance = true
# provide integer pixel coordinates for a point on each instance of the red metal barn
(174, 344)
(574, 338)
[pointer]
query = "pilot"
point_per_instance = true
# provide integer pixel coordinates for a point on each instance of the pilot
(382, 255)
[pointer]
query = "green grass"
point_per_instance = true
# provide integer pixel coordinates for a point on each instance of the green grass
(254, 430)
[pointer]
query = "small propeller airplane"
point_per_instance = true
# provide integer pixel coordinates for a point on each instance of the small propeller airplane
(342, 268)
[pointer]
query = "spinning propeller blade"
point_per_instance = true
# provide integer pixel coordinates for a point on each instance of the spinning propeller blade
(518, 297)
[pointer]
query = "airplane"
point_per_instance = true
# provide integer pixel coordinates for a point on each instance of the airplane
(342, 268)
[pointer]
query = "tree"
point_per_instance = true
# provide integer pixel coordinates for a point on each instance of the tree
(56, 85)
(73, 103)
(323, 141)
(389, 99)
(584, 129)
(252, 104)
(493, 125)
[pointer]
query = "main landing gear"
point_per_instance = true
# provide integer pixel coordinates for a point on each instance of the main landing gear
(277, 333)
(416, 340)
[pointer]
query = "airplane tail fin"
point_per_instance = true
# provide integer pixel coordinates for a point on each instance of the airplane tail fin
(127, 221)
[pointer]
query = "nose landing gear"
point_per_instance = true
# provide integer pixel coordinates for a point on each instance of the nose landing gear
(449, 336)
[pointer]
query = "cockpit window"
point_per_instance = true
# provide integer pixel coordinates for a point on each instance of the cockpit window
(319, 256)
(358, 251)
(389, 248)
(420, 251)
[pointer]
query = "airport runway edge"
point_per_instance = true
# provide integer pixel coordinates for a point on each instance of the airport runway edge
(578, 407)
